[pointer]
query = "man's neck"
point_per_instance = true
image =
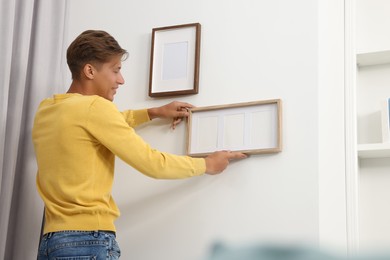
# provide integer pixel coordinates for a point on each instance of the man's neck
(78, 87)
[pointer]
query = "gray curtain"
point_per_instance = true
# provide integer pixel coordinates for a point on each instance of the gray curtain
(32, 67)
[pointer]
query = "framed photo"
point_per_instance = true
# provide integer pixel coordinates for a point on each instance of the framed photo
(174, 60)
(251, 128)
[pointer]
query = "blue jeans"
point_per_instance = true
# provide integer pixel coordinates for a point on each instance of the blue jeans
(79, 245)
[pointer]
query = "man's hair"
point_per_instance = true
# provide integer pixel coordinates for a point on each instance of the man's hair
(92, 46)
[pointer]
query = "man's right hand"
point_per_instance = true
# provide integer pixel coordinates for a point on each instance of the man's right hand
(218, 161)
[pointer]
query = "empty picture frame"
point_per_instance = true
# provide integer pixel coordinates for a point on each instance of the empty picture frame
(174, 60)
(251, 128)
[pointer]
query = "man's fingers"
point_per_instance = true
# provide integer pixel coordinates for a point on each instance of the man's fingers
(184, 105)
(182, 113)
(236, 155)
(175, 122)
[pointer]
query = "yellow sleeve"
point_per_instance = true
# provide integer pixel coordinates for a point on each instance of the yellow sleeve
(111, 130)
(136, 117)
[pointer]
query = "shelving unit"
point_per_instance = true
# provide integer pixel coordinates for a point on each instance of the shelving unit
(371, 88)
(378, 150)
(373, 81)
(373, 58)
(373, 150)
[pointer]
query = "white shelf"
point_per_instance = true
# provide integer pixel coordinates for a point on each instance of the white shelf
(373, 58)
(377, 150)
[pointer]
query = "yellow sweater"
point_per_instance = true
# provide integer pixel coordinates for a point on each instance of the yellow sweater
(76, 139)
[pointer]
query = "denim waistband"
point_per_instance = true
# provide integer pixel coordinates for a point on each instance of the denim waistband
(49, 234)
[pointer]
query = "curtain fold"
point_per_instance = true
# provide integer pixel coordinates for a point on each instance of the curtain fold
(32, 67)
(14, 55)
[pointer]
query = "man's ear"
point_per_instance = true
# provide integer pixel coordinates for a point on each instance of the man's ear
(89, 71)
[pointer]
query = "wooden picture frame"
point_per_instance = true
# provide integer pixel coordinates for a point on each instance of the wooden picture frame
(174, 60)
(250, 128)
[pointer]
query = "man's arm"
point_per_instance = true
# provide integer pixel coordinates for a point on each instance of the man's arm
(176, 110)
(135, 118)
(215, 162)
(171, 110)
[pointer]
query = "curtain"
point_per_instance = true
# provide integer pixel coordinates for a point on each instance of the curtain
(32, 67)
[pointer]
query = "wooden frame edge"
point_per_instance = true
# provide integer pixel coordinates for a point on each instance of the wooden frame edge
(276, 149)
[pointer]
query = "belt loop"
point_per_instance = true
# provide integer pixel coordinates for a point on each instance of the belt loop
(95, 233)
(49, 235)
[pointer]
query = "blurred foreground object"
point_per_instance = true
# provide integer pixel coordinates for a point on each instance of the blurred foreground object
(276, 252)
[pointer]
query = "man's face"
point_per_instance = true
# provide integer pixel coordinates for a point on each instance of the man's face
(108, 77)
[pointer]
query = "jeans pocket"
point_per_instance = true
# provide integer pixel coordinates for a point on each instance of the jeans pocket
(114, 252)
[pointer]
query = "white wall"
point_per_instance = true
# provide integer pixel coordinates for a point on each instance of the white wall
(332, 202)
(372, 25)
(251, 50)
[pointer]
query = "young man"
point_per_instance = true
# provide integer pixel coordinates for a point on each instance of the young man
(76, 138)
